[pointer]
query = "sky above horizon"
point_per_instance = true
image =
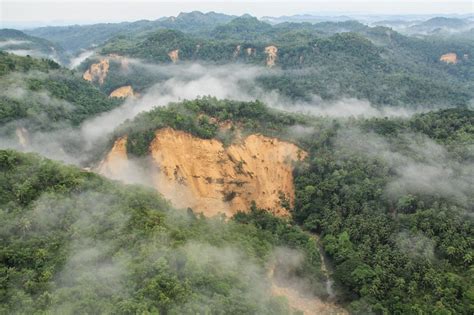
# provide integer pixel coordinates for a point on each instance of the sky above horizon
(40, 12)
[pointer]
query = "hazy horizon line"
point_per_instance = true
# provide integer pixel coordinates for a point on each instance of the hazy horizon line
(68, 12)
(59, 22)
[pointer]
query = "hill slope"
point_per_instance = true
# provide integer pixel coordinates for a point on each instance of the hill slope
(345, 59)
(19, 43)
(75, 242)
(40, 96)
(391, 198)
(77, 37)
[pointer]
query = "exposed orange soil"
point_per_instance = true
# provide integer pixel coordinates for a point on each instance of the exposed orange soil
(97, 71)
(122, 92)
(450, 58)
(174, 55)
(206, 176)
(272, 54)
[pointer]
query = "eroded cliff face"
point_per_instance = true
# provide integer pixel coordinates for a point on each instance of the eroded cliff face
(450, 58)
(97, 72)
(115, 165)
(22, 137)
(206, 176)
(236, 52)
(174, 55)
(272, 54)
(122, 92)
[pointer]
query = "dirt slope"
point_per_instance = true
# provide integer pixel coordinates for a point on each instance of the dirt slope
(272, 54)
(306, 304)
(97, 71)
(450, 58)
(122, 92)
(174, 55)
(206, 176)
(115, 164)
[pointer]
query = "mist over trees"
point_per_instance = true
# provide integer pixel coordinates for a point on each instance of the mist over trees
(383, 201)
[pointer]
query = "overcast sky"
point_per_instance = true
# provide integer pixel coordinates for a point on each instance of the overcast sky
(73, 11)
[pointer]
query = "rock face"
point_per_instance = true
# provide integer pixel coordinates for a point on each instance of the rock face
(272, 54)
(236, 52)
(122, 92)
(97, 71)
(174, 55)
(206, 176)
(450, 58)
(115, 164)
(22, 136)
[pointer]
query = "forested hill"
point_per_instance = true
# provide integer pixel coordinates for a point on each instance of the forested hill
(390, 198)
(22, 44)
(76, 37)
(73, 242)
(334, 138)
(395, 209)
(293, 40)
(39, 94)
(340, 59)
(376, 64)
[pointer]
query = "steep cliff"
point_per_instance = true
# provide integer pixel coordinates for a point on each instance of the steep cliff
(450, 58)
(97, 72)
(272, 54)
(206, 176)
(174, 55)
(115, 164)
(122, 92)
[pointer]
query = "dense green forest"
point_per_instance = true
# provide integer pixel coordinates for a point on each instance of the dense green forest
(387, 200)
(76, 37)
(399, 242)
(373, 63)
(340, 59)
(399, 246)
(75, 242)
(196, 118)
(41, 95)
(393, 249)
(17, 41)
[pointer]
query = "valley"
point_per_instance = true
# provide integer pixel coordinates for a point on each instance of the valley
(210, 163)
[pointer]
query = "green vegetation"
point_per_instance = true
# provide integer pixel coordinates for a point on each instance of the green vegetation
(41, 95)
(10, 63)
(390, 198)
(15, 40)
(76, 37)
(400, 242)
(403, 244)
(377, 64)
(75, 242)
(135, 75)
(201, 117)
(245, 28)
